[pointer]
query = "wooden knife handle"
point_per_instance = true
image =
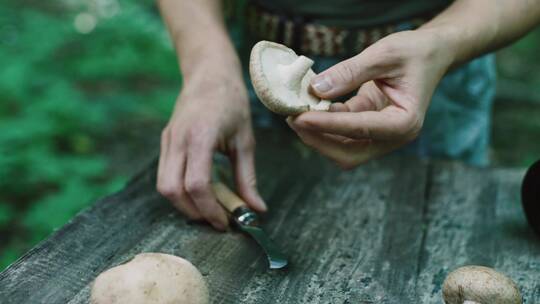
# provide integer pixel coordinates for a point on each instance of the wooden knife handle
(227, 198)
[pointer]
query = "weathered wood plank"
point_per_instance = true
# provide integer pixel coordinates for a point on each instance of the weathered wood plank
(385, 233)
(350, 237)
(351, 240)
(475, 217)
(63, 264)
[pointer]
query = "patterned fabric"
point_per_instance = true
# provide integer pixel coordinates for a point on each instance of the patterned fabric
(458, 122)
(314, 39)
(349, 14)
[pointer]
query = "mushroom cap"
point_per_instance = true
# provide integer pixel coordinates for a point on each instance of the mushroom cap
(281, 79)
(478, 284)
(151, 278)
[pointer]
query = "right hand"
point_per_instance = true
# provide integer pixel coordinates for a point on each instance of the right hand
(211, 114)
(395, 79)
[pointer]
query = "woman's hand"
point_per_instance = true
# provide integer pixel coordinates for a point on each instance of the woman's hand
(212, 113)
(395, 79)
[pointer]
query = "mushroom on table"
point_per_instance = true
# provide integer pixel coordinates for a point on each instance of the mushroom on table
(151, 278)
(479, 285)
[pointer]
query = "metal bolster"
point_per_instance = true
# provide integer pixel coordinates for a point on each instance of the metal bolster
(245, 216)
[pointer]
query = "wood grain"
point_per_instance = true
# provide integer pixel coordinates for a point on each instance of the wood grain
(388, 232)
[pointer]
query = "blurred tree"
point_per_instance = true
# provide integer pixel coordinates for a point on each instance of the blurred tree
(519, 69)
(516, 119)
(74, 73)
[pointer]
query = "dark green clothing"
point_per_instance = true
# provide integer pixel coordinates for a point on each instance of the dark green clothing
(355, 13)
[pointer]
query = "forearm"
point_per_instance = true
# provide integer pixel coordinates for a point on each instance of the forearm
(469, 28)
(199, 35)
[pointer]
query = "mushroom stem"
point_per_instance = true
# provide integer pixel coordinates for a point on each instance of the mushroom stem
(292, 74)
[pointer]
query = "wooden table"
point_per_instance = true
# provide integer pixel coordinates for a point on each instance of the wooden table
(388, 232)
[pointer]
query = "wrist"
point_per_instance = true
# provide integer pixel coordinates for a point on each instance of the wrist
(215, 49)
(210, 77)
(462, 41)
(443, 45)
(211, 64)
(213, 73)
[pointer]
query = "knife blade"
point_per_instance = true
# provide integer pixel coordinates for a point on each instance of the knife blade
(248, 222)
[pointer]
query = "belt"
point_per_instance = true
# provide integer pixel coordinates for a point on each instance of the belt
(309, 38)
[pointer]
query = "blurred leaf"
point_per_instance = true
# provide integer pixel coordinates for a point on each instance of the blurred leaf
(10, 254)
(6, 214)
(54, 210)
(65, 96)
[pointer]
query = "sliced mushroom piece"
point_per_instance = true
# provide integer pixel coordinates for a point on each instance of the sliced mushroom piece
(479, 285)
(281, 79)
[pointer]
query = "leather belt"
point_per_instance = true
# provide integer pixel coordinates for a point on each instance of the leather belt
(310, 38)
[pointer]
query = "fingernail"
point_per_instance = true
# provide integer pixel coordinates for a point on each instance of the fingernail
(321, 84)
(338, 107)
(290, 122)
(262, 204)
(219, 226)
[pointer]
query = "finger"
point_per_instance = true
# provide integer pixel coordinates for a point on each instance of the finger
(361, 103)
(246, 180)
(347, 75)
(357, 103)
(334, 137)
(368, 98)
(346, 153)
(172, 187)
(338, 107)
(198, 184)
(169, 180)
(391, 123)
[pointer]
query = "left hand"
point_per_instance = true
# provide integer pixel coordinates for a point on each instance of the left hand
(395, 78)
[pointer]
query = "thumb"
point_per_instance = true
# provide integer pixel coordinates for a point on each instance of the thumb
(246, 181)
(346, 76)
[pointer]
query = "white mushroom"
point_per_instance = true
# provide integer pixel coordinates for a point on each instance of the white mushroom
(281, 79)
(479, 285)
(151, 278)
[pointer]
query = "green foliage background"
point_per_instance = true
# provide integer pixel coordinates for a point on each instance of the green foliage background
(66, 97)
(63, 94)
